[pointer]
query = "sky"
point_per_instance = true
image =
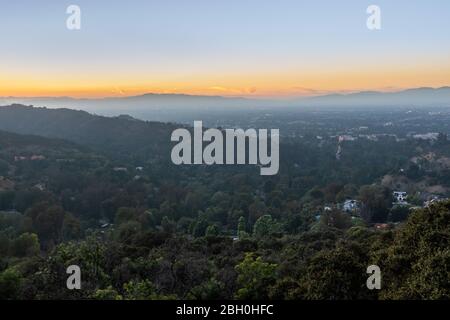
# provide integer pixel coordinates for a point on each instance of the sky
(251, 48)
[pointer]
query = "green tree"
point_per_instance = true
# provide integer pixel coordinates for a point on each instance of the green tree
(10, 284)
(107, 294)
(200, 226)
(265, 226)
(254, 278)
(27, 244)
(398, 213)
(212, 231)
(143, 290)
(336, 219)
(417, 265)
(208, 290)
(336, 274)
(4, 167)
(376, 202)
(241, 230)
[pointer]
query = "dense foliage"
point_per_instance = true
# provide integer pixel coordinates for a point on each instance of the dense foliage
(142, 228)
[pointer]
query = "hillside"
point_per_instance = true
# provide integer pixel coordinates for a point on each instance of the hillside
(118, 135)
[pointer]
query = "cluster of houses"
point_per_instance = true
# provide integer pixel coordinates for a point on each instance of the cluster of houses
(124, 169)
(400, 198)
(349, 206)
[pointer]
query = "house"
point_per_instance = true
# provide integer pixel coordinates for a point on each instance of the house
(139, 168)
(120, 169)
(433, 200)
(346, 137)
(350, 205)
(40, 186)
(381, 226)
(400, 197)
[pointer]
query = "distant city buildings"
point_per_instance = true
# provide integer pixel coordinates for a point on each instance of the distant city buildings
(426, 136)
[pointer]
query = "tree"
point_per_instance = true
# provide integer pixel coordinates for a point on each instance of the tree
(107, 294)
(416, 266)
(27, 244)
(143, 290)
(124, 215)
(254, 278)
(265, 226)
(71, 228)
(200, 226)
(212, 231)
(336, 219)
(4, 167)
(241, 230)
(208, 290)
(47, 221)
(376, 202)
(398, 213)
(7, 200)
(10, 283)
(168, 225)
(336, 274)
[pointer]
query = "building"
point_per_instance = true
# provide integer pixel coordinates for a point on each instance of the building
(427, 136)
(381, 226)
(400, 197)
(346, 137)
(350, 205)
(433, 200)
(36, 157)
(40, 186)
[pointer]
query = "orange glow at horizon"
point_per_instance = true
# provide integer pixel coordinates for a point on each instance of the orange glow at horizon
(258, 85)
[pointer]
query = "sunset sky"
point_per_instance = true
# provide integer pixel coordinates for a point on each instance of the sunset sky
(252, 48)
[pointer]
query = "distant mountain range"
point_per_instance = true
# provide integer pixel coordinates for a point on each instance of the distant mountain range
(145, 101)
(411, 97)
(179, 102)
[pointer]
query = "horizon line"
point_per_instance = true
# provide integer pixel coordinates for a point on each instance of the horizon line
(281, 98)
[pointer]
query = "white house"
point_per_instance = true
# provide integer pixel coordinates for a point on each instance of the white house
(400, 197)
(350, 205)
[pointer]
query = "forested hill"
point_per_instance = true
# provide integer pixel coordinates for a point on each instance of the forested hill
(119, 135)
(18, 141)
